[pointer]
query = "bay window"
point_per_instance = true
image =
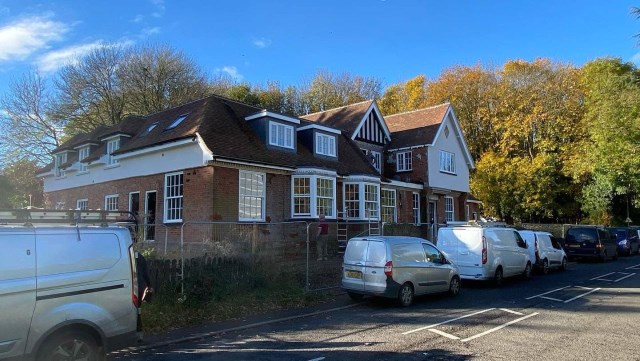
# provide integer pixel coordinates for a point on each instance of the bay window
(313, 194)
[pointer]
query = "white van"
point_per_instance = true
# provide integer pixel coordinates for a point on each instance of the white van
(396, 267)
(485, 253)
(545, 251)
(66, 290)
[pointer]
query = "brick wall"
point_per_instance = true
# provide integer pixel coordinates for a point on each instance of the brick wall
(419, 166)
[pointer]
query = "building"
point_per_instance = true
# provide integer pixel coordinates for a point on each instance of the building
(216, 159)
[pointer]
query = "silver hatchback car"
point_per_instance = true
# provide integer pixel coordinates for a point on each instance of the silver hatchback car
(396, 267)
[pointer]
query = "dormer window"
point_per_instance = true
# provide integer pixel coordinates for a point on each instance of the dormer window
(176, 122)
(112, 146)
(148, 130)
(280, 135)
(82, 154)
(326, 145)
(59, 160)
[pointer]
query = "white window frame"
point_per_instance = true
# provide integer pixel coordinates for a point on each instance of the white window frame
(388, 207)
(377, 160)
(404, 161)
(82, 154)
(109, 201)
(287, 135)
(242, 198)
(59, 160)
(325, 145)
(447, 162)
(449, 209)
(314, 197)
(112, 146)
(415, 205)
(365, 211)
(79, 204)
(173, 198)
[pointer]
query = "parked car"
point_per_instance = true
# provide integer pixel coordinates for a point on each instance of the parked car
(544, 250)
(66, 292)
(396, 267)
(626, 238)
(590, 242)
(485, 253)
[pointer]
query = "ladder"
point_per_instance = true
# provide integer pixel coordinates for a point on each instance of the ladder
(33, 216)
(342, 230)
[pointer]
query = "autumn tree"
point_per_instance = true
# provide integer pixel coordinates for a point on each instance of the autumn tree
(402, 97)
(326, 91)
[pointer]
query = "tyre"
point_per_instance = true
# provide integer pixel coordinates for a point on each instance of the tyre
(527, 271)
(71, 345)
(498, 278)
(545, 266)
(355, 296)
(405, 295)
(454, 286)
(563, 265)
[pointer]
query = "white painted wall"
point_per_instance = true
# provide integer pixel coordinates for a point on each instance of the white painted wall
(166, 160)
(437, 179)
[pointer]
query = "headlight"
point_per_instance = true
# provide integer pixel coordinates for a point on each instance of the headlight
(623, 242)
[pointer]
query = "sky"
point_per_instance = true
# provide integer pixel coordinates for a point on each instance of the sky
(289, 41)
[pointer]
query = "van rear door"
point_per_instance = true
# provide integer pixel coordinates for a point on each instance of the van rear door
(469, 251)
(17, 290)
(355, 257)
(375, 280)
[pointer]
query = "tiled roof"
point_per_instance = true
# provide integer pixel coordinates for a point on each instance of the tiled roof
(346, 118)
(416, 127)
(413, 137)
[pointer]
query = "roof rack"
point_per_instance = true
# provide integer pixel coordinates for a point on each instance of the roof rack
(472, 223)
(69, 217)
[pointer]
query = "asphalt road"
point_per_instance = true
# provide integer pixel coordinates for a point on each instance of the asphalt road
(589, 312)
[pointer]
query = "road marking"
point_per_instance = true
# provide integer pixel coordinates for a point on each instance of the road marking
(448, 321)
(627, 276)
(595, 278)
(546, 293)
(634, 267)
(551, 298)
(498, 327)
(582, 295)
(442, 333)
(317, 359)
(510, 311)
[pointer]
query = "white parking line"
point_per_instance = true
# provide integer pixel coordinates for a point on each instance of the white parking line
(498, 327)
(595, 278)
(445, 322)
(551, 298)
(634, 267)
(582, 295)
(546, 293)
(511, 311)
(317, 359)
(442, 333)
(627, 276)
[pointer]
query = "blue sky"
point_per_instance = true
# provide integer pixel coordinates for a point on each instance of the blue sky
(289, 41)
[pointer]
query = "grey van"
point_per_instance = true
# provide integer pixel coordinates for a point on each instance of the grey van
(66, 292)
(396, 267)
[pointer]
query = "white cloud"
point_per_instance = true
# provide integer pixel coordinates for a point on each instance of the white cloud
(56, 59)
(22, 38)
(150, 31)
(261, 43)
(138, 18)
(159, 4)
(636, 59)
(232, 71)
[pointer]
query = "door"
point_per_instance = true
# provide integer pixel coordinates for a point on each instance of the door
(553, 255)
(17, 290)
(150, 216)
(353, 267)
(432, 220)
(375, 280)
(437, 271)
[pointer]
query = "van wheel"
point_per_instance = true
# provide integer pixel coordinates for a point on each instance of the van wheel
(355, 296)
(527, 271)
(563, 265)
(454, 286)
(498, 277)
(71, 345)
(545, 266)
(405, 296)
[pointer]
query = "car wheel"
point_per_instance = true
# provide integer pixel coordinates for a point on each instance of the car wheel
(454, 286)
(563, 265)
(498, 277)
(527, 271)
(545, 266)
(355, 296)
(405, 296)
(72, 345)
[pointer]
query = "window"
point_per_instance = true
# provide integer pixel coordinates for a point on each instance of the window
(371, 201)
(252, 196)
(361, 200)
(352, 200)
(312, 195)
(375, 160)
(176, 122)
(447, 162)
(416, 208)
(280, 135)
(326, 145)
(173, 193)
(111, 202)
(82, 154)
(59, 160)
(388, 205)
(403, 161)
(112, 146)
(82, 204)
(148, 130)
(448, 208)
(60, 205)
(433, 255)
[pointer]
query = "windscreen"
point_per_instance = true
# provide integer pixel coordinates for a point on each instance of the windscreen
(619, 233)
(579, 235)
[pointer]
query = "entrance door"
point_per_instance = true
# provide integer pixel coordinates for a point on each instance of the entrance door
(150, 215)
(432, 219)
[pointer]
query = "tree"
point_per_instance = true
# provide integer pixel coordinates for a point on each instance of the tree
(26, 188)
(327, 91)
(399, 98)
(27, 130)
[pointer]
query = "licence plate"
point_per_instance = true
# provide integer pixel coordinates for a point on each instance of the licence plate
(574, 245)
(354, 274)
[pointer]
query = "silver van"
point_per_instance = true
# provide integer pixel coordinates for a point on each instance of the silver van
(66, 292)
(396, 267)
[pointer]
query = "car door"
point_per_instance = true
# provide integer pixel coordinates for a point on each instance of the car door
(17, 290)
(410, 265)
(437, 271)
(553, 255)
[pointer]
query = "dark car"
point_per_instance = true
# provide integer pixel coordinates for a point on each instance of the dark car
(590, 242)
(627, 240)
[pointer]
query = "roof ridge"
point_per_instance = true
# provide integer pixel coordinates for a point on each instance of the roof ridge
(418, 110)
(332, 109)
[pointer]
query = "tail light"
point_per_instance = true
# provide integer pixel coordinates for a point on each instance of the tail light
(388, 269)
(134, 277)
(484, 250)
(598, 245)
